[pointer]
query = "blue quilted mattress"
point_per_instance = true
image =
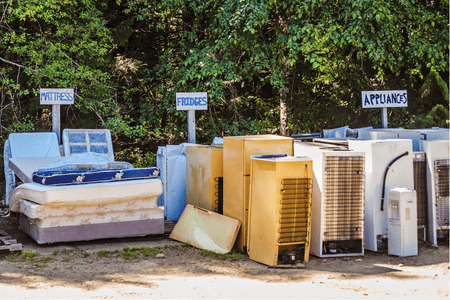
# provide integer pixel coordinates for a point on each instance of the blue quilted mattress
(71, 177)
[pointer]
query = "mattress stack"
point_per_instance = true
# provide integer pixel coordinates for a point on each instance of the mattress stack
(66, 213)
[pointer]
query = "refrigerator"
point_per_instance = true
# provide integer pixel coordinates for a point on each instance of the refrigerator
(237, 151)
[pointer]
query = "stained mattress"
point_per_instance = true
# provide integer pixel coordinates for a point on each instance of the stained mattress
(91, 231)
(38, 211)
(98, 218)
(85, 195)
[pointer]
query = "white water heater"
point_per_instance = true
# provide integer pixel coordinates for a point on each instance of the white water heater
(388, 164)
(402, 222)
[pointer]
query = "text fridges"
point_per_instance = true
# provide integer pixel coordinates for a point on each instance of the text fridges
(191, 101)
(237, 151)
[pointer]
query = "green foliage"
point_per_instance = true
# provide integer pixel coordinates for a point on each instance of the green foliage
(136, 157)
(127, 60)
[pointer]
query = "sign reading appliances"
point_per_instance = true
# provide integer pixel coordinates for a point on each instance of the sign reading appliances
(56, 96)
(192, 101)
(379, 99)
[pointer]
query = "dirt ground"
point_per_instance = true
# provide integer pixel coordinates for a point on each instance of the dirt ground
(158, 267)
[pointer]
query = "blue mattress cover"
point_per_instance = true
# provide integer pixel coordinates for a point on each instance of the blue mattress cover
(71, 176)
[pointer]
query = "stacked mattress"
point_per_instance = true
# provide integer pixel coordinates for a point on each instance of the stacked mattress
(77, 212)
(84, 196)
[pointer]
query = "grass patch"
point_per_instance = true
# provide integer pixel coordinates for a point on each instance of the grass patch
(55, 252)
(233, 254)
(185, 247)
(85, 254)
(103, 253)
(12, 256)
(131, 253)
(30, 256)
(45, 259)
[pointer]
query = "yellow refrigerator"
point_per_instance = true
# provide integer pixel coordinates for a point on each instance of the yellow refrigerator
(204, 177)
(279, 223)
(236, 173)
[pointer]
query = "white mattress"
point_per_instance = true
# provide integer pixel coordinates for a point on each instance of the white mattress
(98, 218)
(85, 194)
(36, 211)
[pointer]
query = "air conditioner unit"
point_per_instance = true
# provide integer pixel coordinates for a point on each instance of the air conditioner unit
(434, 134)
(204, 177)
(392, 133)
(437, 153)
(338, 200)
(280, 210)
(420, 186)
(388, 164)
(237, 151)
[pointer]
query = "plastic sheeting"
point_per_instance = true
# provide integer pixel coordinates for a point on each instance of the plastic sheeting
(97, 162)
(338, 133)
(171, 160)
(37, 144)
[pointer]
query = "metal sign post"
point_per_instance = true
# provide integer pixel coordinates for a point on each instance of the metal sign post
(191, 102)
(383, 100)
(55, 98)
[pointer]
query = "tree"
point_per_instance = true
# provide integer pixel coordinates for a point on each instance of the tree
(54, 44)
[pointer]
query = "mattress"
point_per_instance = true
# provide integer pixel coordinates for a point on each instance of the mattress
(86, 194)
(36, 211)
(91, 231)
(93, 176)
(98, 218)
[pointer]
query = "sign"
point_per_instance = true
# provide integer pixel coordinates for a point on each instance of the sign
(56, 96)
(380, 99)
(191, 101)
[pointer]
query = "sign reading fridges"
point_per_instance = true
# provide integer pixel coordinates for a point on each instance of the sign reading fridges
(192, 101)
(56, 96)
(380, 99)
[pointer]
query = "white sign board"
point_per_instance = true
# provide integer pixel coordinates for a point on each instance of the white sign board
(380, 99)
(56, 96)
(192, 101)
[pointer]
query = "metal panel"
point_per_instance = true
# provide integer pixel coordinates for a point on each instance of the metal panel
(343, 198)
(441, 173)
(420, 186)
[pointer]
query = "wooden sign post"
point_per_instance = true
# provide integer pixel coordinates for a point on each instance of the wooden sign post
(191, 102)
(55, 98)
(383, 100)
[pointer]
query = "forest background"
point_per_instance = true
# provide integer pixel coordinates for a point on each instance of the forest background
(268, 66)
